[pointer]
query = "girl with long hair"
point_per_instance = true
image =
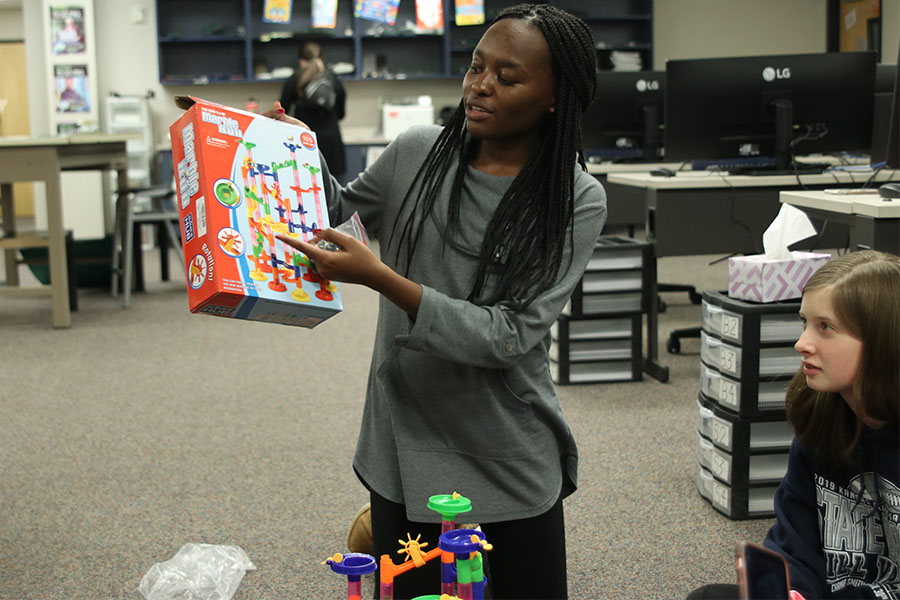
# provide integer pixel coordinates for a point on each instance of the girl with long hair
(837, 510)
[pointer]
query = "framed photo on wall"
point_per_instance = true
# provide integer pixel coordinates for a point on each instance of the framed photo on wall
(67, 30)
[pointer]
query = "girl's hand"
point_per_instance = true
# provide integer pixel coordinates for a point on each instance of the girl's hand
(277, 113)
(354, 263)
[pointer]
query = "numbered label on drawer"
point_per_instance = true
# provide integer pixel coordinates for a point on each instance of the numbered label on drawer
(731, 326)
(721, 495)
(720, 431)
(728, 360)
(713, 459)
(720, 467)
(728, 392)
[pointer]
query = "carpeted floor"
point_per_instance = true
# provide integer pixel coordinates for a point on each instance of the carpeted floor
(141, 429)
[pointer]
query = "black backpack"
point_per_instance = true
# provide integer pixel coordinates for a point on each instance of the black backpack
(320, 91)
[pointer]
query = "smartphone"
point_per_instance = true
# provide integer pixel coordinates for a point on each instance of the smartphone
(762, 573)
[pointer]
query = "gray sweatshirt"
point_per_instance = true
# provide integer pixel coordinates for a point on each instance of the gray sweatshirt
(460, 399)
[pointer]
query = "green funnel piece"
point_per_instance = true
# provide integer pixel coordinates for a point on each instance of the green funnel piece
(449, 505)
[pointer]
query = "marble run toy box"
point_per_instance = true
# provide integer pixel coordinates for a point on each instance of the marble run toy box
(242, 179)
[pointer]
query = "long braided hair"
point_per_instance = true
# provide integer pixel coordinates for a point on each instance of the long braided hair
(527, 233)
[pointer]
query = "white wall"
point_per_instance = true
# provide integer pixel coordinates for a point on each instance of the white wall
(720, 28)
(890, 30)
(127, 55)
(11, 23)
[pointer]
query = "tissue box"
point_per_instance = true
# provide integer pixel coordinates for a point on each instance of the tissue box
(243, 178)
(762, 279)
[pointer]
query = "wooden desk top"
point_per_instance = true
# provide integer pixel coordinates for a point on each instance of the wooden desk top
(871, 205)
(18, 141)
(77, 152)
(712, 179)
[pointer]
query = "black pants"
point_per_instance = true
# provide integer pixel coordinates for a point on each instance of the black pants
(716, 591)
(528, 560)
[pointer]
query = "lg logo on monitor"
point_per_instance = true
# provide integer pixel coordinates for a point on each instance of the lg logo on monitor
(645, 86)
(771, 73)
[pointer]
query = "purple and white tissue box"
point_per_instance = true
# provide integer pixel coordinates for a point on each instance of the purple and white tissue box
(760, 279)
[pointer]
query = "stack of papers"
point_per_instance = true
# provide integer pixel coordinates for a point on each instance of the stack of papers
(625, 61)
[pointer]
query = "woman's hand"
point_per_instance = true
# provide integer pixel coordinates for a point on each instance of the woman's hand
(277, 113)
(353, 263)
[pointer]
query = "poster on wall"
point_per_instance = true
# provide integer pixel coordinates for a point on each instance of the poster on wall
(324, 14)
(67, 30)
(72, 89)
(429, 14)
(381, 11)
(469, 12)
(277, 11)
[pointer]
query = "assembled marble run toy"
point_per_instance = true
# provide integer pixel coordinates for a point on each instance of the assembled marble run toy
(462, 572)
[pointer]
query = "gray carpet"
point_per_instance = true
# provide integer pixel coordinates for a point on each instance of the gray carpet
(141, 429)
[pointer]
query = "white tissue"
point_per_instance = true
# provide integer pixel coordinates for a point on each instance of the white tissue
(790, 226)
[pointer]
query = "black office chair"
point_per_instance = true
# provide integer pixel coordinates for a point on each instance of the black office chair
(156, 204)
(673, 344)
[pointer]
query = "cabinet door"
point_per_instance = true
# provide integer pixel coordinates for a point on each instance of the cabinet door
(204, 44)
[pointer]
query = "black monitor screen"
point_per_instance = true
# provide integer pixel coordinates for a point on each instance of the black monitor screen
(886, 121)
(723, 108)
(884, 78)
(624, 119)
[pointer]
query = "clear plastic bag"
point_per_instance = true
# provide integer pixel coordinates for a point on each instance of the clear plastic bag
(197, 572)
(352, 226)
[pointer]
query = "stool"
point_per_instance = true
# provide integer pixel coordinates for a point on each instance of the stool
(162, 211)
(71, 272)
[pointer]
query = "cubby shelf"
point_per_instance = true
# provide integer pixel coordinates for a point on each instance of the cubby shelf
(226, 41)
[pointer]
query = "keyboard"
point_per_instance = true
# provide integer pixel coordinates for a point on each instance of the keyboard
(743, 163)
(598, 155)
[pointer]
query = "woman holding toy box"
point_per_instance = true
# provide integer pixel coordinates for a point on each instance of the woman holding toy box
(485, 228)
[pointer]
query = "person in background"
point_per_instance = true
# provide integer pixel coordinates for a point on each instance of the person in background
(485, 226)
(315, 96)
(837, 510)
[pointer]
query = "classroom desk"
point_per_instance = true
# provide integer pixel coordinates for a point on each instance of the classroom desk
(703, 212)
(42, 159)
(874, 223)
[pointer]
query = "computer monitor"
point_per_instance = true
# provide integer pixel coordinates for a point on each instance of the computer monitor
(886, 118)
(623, 121)
(770, 106)
(885, 75)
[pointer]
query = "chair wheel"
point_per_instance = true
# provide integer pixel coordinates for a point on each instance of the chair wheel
(660, 305)
(673, 346)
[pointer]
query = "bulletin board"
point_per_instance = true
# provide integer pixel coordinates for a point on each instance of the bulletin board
(859, 25)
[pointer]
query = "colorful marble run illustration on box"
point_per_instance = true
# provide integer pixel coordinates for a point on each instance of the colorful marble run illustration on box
(243, 179)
